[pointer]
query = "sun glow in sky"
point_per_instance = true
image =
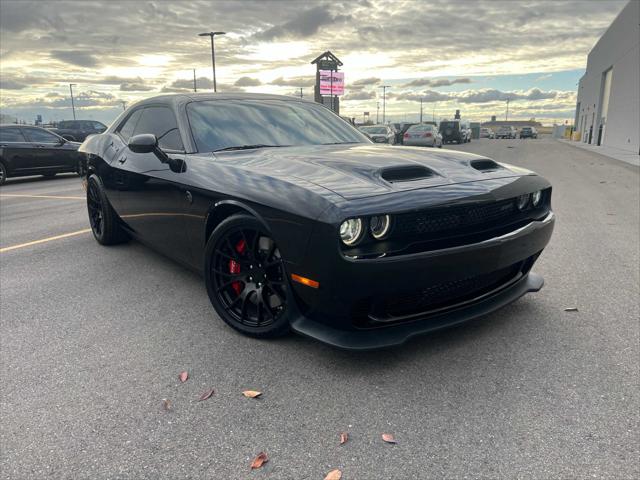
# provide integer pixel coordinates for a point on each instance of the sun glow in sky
(469, 55)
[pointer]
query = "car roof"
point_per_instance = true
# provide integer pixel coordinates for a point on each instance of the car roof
(178, 98)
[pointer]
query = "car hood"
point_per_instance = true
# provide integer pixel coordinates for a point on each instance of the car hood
(363, 170)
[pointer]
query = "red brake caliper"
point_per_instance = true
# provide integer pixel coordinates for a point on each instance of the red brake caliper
(234, 267)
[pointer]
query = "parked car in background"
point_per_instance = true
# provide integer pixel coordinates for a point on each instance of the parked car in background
(380, 133)
(457, 131)
(423, 135)
(487, 133)
(528, 132)
(26, 150)
(78, 130)
(507, 132)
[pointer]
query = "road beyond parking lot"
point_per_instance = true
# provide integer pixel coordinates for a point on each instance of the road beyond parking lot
(93, 339)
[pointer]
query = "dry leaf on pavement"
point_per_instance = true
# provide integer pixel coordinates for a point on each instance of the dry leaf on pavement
(183, 376)
(260, 460)
(344, 436)
(206, 395)
(166, 404)
(387, 437)
(334, 475)
(251, 394)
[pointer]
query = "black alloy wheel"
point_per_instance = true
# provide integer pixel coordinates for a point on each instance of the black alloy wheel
(102, 218)
(246, 279)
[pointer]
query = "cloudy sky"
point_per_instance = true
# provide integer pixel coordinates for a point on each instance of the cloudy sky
(471, 55)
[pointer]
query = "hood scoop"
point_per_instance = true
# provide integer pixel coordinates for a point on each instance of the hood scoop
(407, 173)
(485, 165)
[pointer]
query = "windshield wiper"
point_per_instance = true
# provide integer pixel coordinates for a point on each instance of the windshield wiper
(248, 147)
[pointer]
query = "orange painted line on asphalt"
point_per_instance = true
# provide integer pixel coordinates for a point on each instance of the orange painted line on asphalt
(16, 195)
(44, 240)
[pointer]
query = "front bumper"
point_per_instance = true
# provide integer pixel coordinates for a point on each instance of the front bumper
(327, 314)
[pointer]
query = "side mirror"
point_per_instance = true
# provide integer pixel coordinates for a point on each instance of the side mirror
(143, 143)
(148, 143)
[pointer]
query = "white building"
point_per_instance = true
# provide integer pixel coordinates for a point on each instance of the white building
(608, 108)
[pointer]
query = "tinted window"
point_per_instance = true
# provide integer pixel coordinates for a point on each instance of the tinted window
(98, 126)
(65, 124)
(126, 130)
(40, 135)
(453, 125)
(162, 123)
(218, 124)
(11, 135)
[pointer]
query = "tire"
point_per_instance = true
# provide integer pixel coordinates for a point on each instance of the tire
(3, 173)
(103, 219)
(241, 247)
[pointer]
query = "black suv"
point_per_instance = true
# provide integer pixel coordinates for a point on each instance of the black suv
(78, 130)
(455, 131)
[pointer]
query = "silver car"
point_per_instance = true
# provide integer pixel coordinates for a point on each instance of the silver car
(380, 133)
(423, 135)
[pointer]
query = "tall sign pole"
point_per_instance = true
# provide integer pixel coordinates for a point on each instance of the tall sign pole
(384, 101)
(73, 107)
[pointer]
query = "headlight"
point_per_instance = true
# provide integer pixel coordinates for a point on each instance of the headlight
(522, 201)
(351, 231)
(536, 197)
(379, 226)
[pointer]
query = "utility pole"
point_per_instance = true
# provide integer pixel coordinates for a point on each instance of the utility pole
(124, 104)
(506, 118)
(420, 109)
(300, 92)
(195, 87)
(213, 54)
(73, 107)
(377, 113)
(384, 101)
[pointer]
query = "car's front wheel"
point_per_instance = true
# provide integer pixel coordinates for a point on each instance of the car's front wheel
(3, 173)
(246, 279)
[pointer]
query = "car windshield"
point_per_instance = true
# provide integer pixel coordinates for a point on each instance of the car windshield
(526, 129)
(448, 125)
(420, 128)
(233, 123)
(374, 130)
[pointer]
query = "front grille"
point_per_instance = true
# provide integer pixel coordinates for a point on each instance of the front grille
(458, 219)
(446, 293)
(419, 304)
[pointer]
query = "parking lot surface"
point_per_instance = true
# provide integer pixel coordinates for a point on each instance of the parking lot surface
(93, 339)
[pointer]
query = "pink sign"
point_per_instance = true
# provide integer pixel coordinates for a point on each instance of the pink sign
(331, 83)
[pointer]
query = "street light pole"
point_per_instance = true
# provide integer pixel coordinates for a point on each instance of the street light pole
(377, 113)
(506, 118)
(384, 101)
(213, 54)
(195, 87)
(73, 107)
(421, 110)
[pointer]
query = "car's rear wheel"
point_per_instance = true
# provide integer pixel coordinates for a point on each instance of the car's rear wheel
(246, 279)
(3, 173)
(102, 218)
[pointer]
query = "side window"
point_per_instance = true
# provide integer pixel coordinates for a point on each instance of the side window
(11, 135)
(41, 136)
(99, 127)
(126, 129)
(162, 123)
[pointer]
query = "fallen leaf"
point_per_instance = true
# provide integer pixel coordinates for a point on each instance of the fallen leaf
(334, 475)
(206, 395)
(344, 436)
(571, 309)
(387, 437)
(251, 394)
(166, 404)
(260, 460)
(183, 376)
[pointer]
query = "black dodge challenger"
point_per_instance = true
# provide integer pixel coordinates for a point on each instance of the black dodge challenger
(298, 222)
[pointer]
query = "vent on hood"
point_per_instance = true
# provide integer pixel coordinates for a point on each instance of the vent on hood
(485, 165)
(406, 174)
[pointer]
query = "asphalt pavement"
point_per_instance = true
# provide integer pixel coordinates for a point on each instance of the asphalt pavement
(92, 340)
